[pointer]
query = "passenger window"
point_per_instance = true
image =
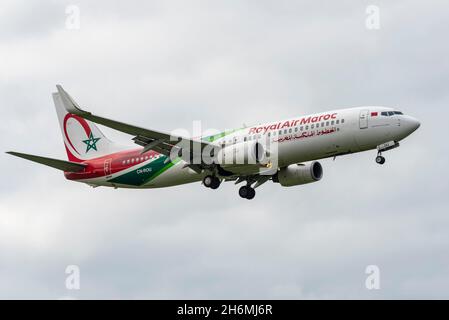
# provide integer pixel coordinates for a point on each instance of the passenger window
(301, 128)
(290, 130)
(296, 129)
(327, 123)
(384, 114)
(285, 131)
(322, 124)
(280, 132)
(332, 122)
(342, 121)
(338, 122)
(390, 113)
(132, 160)
(307, 127)
(312, 126)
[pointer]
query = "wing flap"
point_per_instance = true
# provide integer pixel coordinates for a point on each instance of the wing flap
(54, 163)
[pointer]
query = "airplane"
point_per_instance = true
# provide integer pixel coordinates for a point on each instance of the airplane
(285, 152)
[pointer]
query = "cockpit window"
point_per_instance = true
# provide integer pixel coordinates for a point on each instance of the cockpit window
(390, 113)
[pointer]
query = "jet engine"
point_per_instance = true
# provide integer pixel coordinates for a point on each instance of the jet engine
(248, 153)
(297, 174)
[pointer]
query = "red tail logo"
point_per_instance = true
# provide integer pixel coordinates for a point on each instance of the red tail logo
(91, 141)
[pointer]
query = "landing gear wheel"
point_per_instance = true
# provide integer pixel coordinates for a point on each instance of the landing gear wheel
(247, 192)
(243, 192)
(208, 181)
(251, 193)
(380, 160)
(215, 183)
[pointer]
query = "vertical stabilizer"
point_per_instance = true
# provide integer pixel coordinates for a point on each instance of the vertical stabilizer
(83, 140)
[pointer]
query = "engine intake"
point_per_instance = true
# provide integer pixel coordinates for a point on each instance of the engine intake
(297, 174)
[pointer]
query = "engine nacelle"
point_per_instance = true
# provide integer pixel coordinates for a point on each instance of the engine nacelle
(248, 153)
(297, 174)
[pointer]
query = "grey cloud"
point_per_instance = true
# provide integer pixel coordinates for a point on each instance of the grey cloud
(164, 64)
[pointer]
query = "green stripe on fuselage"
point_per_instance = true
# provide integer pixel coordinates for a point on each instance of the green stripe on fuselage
(144, 174)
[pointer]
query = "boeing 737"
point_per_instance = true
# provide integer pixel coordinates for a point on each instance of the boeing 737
(285, 152)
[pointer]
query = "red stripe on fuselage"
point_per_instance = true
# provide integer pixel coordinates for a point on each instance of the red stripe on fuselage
(96, 167)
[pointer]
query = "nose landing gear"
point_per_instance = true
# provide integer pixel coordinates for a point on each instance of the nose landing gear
(385, 147)
(380, 159)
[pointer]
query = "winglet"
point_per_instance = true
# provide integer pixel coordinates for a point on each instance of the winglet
(69, 104)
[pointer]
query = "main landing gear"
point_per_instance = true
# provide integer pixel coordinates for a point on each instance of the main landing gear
(247, 192)
(211, 182)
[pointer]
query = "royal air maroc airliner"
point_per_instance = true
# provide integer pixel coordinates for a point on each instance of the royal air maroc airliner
(285, 152)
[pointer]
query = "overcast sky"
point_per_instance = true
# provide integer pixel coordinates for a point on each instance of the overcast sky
(164, 64)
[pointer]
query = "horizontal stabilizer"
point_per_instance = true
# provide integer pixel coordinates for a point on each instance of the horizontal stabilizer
(54, 163)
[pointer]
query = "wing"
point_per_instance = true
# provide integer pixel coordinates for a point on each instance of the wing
(150, 139)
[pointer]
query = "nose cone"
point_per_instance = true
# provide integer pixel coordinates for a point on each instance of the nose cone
(411, 124)
(414, 124)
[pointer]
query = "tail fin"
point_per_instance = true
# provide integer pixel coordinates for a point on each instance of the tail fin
(82, 138)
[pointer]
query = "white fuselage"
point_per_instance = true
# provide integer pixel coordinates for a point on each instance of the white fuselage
(298, 140)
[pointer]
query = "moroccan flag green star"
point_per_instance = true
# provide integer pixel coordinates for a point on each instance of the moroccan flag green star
(91, 143)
